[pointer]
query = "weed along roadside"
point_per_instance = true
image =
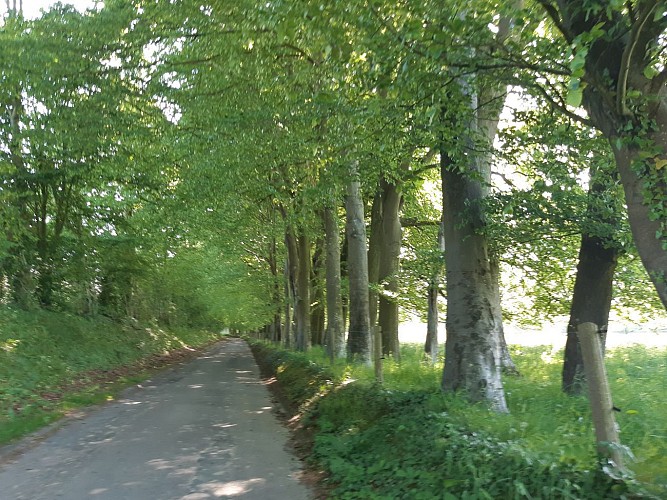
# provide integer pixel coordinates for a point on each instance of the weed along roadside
(407, 440)
(51, 364)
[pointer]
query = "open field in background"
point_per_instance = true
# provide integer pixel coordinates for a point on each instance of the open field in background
(650, 334)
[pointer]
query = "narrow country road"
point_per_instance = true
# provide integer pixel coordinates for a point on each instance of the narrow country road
(202, 430)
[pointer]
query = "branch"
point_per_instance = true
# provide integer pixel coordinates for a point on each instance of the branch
(193, 62)
(504, 178)
(299, 51)
(512, 64)
(562, 107)
(413, 222)
(626, 60)
(553, 13)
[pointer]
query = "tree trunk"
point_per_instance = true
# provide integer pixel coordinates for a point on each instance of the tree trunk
(472, 349)
(374, 249)
(317, 298)
(389, 267)
(508, 366)
(302, 295)
(291, 271)
(45, 264)
(593, 286)
(344, 276)
(431, 346)
(22, 282)
(358, 341)
(591, 302)
(474, 320)
(335, 327)
(276, 330)
(649, 233)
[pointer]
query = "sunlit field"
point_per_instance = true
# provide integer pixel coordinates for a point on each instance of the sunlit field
(621, 333)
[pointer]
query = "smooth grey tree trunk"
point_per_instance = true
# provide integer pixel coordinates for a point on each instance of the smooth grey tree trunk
(317, 293)
(431, 346)
(302, 296)
(472, 348)
(292, 271)
(506, 362)
(335, 326)
(358, 340)
(390, 251)
(276, 330)
(374, 249)
(473, 361)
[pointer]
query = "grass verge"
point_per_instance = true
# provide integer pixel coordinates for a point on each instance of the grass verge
(407, 440)
(52, 363)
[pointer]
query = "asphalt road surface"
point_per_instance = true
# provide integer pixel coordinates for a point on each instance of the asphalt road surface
(203, 430)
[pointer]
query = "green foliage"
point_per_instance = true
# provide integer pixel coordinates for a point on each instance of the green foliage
(302, 378)
(407, 440)
(560, 189)
(416, 451)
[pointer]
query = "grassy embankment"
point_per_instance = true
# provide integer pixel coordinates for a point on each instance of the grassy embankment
(407, 440)
(51, 363)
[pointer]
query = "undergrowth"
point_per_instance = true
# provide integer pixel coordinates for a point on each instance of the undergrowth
(53, 362)
(406, 439)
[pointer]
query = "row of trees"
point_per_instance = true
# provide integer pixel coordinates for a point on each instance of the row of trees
(207, 157)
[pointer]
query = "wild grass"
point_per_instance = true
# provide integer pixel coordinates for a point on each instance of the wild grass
(49, 363)
(543, 421)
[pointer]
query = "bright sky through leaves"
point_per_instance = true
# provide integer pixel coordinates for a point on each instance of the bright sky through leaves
(31, 8)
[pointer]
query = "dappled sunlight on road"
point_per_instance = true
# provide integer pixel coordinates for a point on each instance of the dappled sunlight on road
(229, 489)
(200, 432)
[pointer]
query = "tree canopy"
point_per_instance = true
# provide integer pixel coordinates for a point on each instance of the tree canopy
(178, 162)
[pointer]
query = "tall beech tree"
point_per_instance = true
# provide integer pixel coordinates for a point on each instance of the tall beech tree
(619, 75)
(558, 156)
(335, 332)
(359, 336)
(474, 319)
(593, 287)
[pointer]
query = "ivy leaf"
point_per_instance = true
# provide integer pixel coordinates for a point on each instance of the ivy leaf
(660, 163)
(650, 72)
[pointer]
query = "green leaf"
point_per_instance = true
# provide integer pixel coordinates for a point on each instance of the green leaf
(574, 97)
(650, 72)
